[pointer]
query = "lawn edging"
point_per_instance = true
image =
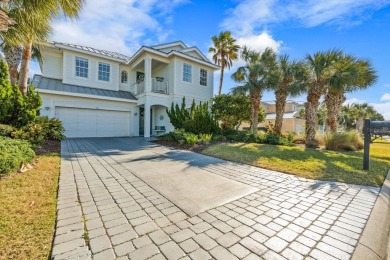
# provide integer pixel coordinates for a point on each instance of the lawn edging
(374, 242)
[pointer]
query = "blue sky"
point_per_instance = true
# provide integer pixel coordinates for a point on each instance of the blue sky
(359, 27)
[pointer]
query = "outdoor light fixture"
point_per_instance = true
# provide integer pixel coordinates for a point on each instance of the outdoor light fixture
(47, 108)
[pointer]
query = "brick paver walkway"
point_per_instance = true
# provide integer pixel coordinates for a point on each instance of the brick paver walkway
(100, 200)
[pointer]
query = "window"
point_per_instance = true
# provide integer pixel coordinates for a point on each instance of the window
(104, 71)
(81, 67)
(124, 76)
(187, 72)
(203, 77)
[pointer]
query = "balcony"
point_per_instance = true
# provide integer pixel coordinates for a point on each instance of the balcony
(159, 85)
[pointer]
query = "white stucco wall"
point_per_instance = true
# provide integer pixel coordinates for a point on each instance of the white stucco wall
(52, 65)
(69, 72)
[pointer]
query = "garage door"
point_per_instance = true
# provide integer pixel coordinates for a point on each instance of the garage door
(93, 122)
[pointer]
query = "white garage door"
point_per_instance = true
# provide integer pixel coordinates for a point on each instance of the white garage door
(80, 122)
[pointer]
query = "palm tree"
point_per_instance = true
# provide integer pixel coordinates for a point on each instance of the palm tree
(5, 21)
(292, 78)
(259, 73)
(225, 51)
(32, 26)
(350, 74)
(320, 73)
(360, 112)
(13, 57)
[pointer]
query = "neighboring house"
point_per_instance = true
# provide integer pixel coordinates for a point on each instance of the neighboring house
(98, 93)
(292, 122)
(291, 119)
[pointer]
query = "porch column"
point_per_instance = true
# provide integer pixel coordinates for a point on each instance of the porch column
(148, 74)
(147, 120)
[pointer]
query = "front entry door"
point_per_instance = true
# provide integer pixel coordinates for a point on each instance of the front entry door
(142, 121)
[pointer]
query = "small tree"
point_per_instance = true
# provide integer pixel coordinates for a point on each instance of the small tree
(5, 91)
(197, 119)
(232, 110)
(16, 109)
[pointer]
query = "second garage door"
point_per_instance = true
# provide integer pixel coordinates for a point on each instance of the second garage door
(80, 122)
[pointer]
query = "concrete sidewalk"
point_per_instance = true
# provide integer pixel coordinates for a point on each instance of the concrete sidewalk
(109, 208)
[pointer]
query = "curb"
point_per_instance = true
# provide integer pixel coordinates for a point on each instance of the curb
(374, 242)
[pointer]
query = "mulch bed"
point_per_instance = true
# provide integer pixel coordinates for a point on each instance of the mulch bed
(48, 147)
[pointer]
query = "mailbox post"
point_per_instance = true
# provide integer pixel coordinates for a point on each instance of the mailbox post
(367, 141)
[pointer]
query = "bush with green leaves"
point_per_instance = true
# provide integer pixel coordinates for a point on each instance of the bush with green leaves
(205, 138)
(6, 130)
(347, 141)
(231, 110)
(197, 119)
(190, 138)
(41, 129)
(13, 153)
(16, 110)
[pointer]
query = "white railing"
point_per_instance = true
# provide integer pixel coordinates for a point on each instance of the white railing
(159, 85)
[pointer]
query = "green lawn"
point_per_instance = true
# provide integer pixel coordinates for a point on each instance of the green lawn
(28, 211)
(310, 163)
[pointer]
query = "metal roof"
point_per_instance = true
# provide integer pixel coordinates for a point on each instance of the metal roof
(41, 82)
(110, 54)
(288, 115)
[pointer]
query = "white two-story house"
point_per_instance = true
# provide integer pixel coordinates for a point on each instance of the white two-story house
(97, 93)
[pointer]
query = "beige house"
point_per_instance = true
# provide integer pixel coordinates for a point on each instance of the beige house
(291, 119)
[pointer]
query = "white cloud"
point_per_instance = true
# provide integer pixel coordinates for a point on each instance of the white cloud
(383, 108)
(259, 42)
(250, 15)
(120, 27)
(353, 101)
(385, 97)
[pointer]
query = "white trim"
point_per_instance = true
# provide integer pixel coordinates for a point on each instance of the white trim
(196, 50)
(167, 45)
(168, 55)
(62, 93)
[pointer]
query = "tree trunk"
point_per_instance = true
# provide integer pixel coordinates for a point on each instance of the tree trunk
(221, 80)
(360, 124)
(331, 100)
(311, 108)
(281, 97)
(24, 68)
(255, 105)
(13, 57)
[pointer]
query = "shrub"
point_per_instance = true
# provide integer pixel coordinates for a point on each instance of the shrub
(6, 130)
(53, 128)
(347, 141)
(205, 138)
(197, 119)
(13, 153)
(41, 129)
(178, 135)
(276, 140)
(167, 137)
(190, 138)
(16, 110)
(218, 138)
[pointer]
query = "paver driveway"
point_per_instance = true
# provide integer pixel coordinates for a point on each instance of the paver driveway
(103, 200)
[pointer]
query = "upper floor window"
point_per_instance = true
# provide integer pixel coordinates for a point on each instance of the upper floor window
(203, 77)
(104, 71)
(124, 76)
(81, 67)
(187, 72)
